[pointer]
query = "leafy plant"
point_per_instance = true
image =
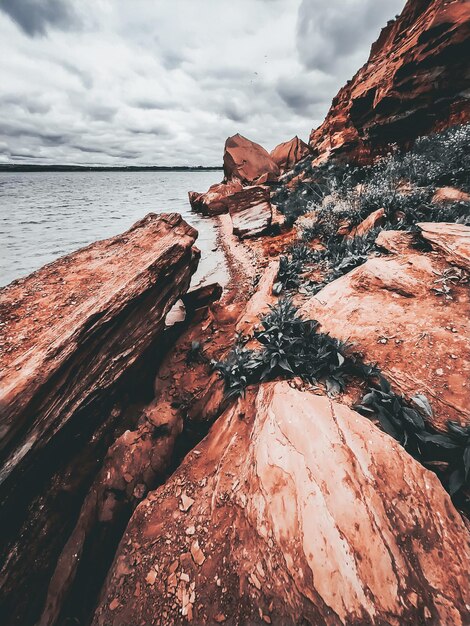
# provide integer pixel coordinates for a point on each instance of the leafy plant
(289, 346)
(407, 424)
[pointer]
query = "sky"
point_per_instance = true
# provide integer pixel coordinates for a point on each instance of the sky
(165, 82)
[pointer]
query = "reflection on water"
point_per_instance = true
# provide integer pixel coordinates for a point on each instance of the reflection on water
(44, 215)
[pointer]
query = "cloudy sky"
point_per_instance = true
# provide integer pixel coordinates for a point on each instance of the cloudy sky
(164, 82)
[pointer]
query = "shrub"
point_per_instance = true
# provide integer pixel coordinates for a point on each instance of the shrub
(290, 346)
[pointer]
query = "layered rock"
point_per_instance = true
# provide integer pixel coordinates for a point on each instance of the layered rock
(391, 310)
(294, 509)
(248, 162)
(214, 201)
(250, 210)
(72, 334)
(416, 80)
(287, 154)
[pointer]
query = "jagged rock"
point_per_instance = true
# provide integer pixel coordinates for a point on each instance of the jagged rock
(202, 296)
(451, 239)
(375, 219)
(248, 162)
(390, 312)
(214, 201)
(250, 211)
(305, 512)
(287, 154)
(449, 194)
(415, 81)
(72, 330)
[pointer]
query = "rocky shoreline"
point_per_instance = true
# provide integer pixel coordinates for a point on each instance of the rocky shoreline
(295, 448)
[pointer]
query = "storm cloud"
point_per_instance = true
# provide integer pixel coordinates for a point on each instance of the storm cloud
(108, 82)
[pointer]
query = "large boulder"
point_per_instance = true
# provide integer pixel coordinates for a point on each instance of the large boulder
(250, 210)
(248, 162)
(287, 154)
(214, 201)
(392, 311)
(294, 509)
(415, 81)
(72, 334)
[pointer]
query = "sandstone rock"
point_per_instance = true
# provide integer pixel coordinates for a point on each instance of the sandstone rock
(451, 239)
(392, 298)
(202, 296)
(375, 219)
(71, 331)
(214, 201)
(287, 154)
(310, 514)
(415, 81)
(449, 194)
(247, 161)
(250, 211)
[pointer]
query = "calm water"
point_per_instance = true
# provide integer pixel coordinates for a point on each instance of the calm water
(44, 215)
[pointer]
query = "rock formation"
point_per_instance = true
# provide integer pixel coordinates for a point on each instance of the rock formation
(248, 162)
(390, 310)
(72, 331)
(416, 80)
(287, 154)
(214, 201)
(294, 509)
(250, 210)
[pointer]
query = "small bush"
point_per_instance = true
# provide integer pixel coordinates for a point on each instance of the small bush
(290, 346)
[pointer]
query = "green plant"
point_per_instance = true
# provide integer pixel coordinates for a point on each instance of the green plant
(289, 346)
(407, 423)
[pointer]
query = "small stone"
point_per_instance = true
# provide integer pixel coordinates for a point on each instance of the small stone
(440, 371)
(219, 618)
(151, 577)
(114, 604)
(197, 553)
(186, 502)
(190, 530)
(185, 577)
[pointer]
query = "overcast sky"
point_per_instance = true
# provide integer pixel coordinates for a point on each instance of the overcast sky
(164, 82)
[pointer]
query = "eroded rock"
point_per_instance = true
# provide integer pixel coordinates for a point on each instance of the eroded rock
(389, 309)
(414, 81)
(304, 511)
(73, 330)
(214, 201)
(248, 162)
(287, 154)
(250, 211)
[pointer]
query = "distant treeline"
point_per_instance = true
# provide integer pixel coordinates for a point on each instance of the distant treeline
(6, 167)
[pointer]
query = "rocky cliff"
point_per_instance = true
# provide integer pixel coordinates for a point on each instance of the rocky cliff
(417, 80)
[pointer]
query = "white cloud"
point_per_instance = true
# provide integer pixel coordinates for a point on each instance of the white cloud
(110, 81)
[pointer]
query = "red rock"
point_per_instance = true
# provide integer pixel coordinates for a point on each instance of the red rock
(392, 297)
(287, 154)
(414, 82)
(312, 514)
(450, 194)
(214, 201)
(451, 239)
(375, 219)
(78, 325)
(250, 210)
(247, 161)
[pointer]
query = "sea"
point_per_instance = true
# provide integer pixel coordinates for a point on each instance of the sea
(45, 215)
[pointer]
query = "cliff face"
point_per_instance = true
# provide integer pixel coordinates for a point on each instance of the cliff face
(417, 80)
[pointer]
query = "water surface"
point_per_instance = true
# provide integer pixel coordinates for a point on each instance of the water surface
(44, 215)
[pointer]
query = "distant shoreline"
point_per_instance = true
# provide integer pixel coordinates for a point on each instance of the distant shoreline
(104, 168)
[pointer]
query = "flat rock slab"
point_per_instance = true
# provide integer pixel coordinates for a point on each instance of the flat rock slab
(73, 327)
(250, 211)
(451, 239)
(294, 509)
(214, 201)
(389, 310)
